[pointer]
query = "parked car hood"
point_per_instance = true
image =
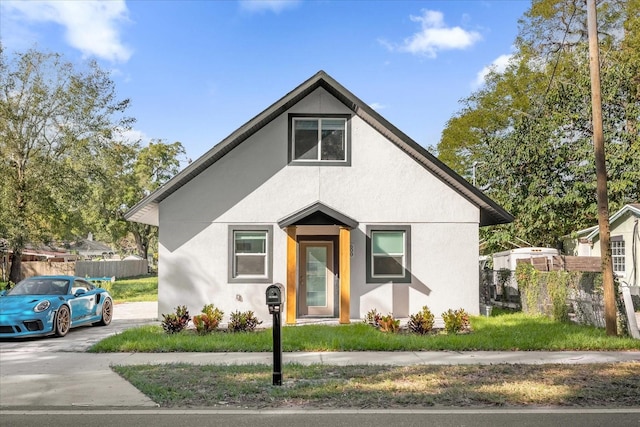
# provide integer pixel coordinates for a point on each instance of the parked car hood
(11, 304)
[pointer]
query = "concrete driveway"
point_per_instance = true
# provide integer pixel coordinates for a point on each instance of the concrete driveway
(125, 316)
(52, 371)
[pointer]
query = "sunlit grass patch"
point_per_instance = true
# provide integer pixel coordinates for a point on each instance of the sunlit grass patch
(136, 289)
(528, 392)
(320, 386)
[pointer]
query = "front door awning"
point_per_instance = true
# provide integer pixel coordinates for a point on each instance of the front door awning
(318, 214)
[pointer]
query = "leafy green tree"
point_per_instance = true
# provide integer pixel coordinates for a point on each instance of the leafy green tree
(154, 166)
(135, 172)
(56, 120)
(530, 131)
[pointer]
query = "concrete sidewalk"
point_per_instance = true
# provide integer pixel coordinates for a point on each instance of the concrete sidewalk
(64, 379)
(85, 379)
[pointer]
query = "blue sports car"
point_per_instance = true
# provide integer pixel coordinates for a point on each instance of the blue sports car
(45, 305)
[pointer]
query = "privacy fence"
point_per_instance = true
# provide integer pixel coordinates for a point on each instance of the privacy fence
(117, 269)
(562, 295)
(552, 288)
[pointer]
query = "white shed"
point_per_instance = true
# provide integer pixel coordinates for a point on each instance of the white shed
(509, 259)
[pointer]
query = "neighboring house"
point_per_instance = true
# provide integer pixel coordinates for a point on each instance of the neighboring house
(625, 244)
(43, 253)
(90, 249)
(321, 194)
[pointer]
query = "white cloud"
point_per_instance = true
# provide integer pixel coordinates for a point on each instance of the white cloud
(90, 26)
(498, 66)
(275, 6)
(434, 36)
(132, 135)
(377, 106)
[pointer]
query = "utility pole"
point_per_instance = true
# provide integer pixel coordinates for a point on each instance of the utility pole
(474, 166)
(601, 173)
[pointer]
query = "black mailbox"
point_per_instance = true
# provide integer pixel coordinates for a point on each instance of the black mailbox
(274, 296)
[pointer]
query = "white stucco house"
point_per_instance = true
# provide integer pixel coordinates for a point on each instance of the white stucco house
(624, 233)
(321, 194)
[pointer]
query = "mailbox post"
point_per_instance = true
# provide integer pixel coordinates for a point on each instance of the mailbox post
(274, 296)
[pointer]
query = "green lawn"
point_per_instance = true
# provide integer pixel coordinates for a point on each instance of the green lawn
(505, 332)
(136, 289)
(384, 387)
(320, 386)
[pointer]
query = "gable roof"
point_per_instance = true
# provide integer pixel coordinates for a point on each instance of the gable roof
(592, 232)
(318, 214)
(91, 247)
(146, 211)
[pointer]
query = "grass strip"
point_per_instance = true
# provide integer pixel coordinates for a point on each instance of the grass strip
(136, 289)
(516, 331)
(380, 387)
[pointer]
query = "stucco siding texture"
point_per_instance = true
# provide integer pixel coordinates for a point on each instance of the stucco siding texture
(253, 184)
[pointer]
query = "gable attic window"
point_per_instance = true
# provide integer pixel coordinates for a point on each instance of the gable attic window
(250, 253)
(319, 140)
(388, 254)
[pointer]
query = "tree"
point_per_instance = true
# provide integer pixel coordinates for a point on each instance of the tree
(135, 172)
(530, 127)
(55, 123)
(155, 165)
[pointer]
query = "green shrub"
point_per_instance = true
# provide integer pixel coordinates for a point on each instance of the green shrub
(558, 289)
(389, 324)
(421, 322)
(209, 320)
(383, 323)
(175, 322)
(504, 277)
(529, 286)
(456, 321)
(372, 318)
(243, 321)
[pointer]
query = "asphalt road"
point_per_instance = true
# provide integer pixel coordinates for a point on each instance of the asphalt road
(380, 418)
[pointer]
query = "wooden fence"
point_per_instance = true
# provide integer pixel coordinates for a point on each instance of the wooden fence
(117, 269)
(564, 263)
(45, 268)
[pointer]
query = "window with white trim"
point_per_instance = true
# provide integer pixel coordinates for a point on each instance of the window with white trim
(617, 254)
(388, 254)
(319, 139)
(250, 254)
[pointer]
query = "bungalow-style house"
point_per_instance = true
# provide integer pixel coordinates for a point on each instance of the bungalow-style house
(320, 194)
(625, 245)
(91, 249)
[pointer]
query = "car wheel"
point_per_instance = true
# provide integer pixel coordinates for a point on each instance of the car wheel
(63, 321)
(107, 313)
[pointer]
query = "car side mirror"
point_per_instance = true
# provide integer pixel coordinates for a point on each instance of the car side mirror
(80, 291)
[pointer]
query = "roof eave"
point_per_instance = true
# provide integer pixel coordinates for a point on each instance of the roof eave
(490, 212)
(226, 145)
(633, 208)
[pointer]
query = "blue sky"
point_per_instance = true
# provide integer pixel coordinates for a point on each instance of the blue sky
(197, 70)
